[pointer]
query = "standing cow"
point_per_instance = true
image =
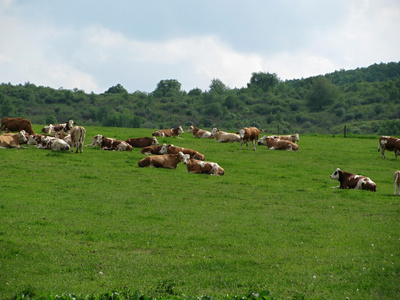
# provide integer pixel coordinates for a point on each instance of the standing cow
(78, 134)
(16, 125)
(353, 181)
(389, 143)
(248, 134)
(396, 182)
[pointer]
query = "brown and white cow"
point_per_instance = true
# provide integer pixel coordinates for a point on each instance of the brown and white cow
(353, 181)
(200, 133)
(199, 166)
(277, 144)
(16, 125)
(78, 134)
(109, 143)
(65, 127)
(154, 149)
(396, 182)
(171, 149)
(13, 140)
(169, 161)
(142, 142)
(291, 137)
(225, 137)
(389, 143)
(249, 134)
(48, 142)
(169, 132)
(64, 136)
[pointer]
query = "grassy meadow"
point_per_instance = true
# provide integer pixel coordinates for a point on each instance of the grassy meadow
(95, 222)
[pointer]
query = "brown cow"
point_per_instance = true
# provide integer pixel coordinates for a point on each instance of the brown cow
(291, 137)
(389, 143)
(9, 140)
(142, 142)
(248, 134)
(169, 132)
(78, 134)
(155, 149)
(200, 133)
(277, 144)
(199, 166)
(169, 161)
(171, 149)
(353, 181)
(109, 144)
(16, 124)
(65, 127)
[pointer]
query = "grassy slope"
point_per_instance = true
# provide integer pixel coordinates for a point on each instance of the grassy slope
(87, 223)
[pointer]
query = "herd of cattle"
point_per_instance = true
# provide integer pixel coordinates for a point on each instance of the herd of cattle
(67, 136)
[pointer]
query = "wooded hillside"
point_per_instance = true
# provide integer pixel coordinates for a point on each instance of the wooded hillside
(366, 100)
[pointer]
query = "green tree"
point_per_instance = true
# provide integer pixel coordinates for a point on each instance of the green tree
(264, 81)
(322, 93)
(217, 86)
(167, 87)
(118, 89)
(6, 106)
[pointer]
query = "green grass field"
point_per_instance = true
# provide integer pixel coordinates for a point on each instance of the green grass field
(95, 222)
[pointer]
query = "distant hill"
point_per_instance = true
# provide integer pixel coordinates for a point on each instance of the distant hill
(366, 100)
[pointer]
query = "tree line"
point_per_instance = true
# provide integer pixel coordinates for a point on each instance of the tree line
(366, 100)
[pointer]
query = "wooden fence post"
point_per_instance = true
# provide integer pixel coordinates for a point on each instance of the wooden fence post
(344, 131)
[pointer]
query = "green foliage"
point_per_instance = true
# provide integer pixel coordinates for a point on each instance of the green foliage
(364, 99)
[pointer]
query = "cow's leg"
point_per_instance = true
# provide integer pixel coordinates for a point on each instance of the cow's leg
(254, 145)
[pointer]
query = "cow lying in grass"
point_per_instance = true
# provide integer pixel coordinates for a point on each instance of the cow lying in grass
(171, 149)
(169, 161)
(201, 167)
(274, 143)
(109, 144)
(353, 181)
(13, 140)
(169, 132)
(155, 149)
(225, 137)
(200, 133)
(142, 142)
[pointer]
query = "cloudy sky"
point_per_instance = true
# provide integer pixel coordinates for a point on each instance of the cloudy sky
(95, 44)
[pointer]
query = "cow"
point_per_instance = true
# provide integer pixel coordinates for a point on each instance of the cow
(48, 142)
(64, 127)
(200, 133)
(225, 137)
(396, 182)
(291, 137)
(199, 166)
(248, 134)
(16, 125)
(78, 134)
(171, 149)
(64, 136)
(353, 181)
(169, 161)
(109, 143)
(169, 132)
(48, 129)
(389, 143)
(277, 144)
(142, 142)
(154, 149)
(12, 140)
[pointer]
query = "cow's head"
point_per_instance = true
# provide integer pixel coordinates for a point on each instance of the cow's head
(184, 157)
(22, 137)
(296, 137)
(71, 123)
(164, 149)
(214, 131)
(191, 129)
(263, 141)
(97, 139)
(241, 133)
(154, 141)
(335, 175)
(180, 130)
